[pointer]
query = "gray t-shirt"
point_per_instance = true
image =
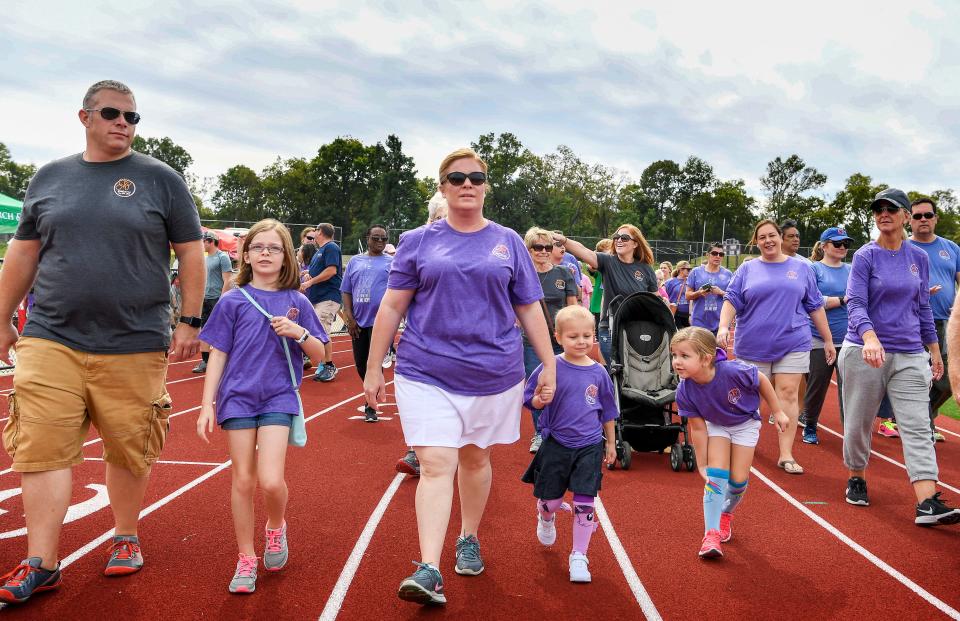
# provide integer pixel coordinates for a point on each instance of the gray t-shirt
(217, 264)
(621, 278)
(104, 228)
(557, 284)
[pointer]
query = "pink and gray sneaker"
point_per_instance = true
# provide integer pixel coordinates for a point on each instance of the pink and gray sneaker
(276, 553)
(245, 576)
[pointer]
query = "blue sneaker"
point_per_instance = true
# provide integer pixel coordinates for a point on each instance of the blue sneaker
(425, 586)
(28, 578)
(810, 435)
(326, 373)
(469, 562)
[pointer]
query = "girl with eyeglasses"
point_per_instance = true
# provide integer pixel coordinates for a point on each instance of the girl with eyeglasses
(628, 270)
(250, 376)
(773, 298)
(890, 324)
(364, 284)
(462, 282)
(705, 288)
(832, 276)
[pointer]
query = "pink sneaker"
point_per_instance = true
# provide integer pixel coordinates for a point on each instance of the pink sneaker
(726, 527)
(710, 548)
(888, 429)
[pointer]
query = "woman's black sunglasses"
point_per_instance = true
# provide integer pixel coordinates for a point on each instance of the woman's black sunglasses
(843, 243)
(541, 247)
(880, 208)
(457, 178)
(110, 114)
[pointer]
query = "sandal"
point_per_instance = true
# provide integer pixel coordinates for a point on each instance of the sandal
(790, 466)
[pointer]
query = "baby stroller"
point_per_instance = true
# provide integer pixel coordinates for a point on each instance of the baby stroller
(641, 327)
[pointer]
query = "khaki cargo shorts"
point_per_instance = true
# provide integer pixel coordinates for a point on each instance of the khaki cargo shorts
(327, 313)
(58, 392)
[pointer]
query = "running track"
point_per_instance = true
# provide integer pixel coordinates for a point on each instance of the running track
(799, 550)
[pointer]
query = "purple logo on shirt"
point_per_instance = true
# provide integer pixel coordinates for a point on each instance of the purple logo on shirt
(591, 394)
(560, 284)
(293, 313)
(945, 255)
(792, 275)
(734, 395)
(915, 270)
(501, 252)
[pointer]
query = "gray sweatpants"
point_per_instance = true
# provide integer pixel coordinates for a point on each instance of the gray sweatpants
(906, 379)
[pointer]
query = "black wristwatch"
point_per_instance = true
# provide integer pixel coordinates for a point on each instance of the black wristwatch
(193, 322)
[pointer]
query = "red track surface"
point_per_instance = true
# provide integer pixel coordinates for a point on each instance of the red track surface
(781, 563)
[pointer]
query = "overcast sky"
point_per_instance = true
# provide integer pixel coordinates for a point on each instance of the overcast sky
(866, 87)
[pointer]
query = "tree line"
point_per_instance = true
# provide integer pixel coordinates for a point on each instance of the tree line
(351, 185)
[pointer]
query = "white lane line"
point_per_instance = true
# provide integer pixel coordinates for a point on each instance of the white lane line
(339, 593)
(172, 463)
(952, 433)
(633, 580)
(887, 459)
(856, 547)
(95, 543)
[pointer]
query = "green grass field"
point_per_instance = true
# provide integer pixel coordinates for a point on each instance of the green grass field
(951, 409)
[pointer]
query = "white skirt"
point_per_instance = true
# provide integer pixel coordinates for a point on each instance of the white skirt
(431, 416)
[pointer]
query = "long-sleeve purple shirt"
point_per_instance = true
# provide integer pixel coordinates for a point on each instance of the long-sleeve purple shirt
(889, 293)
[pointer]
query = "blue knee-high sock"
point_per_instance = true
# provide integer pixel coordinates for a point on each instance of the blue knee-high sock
(734, 495)
(713, 495)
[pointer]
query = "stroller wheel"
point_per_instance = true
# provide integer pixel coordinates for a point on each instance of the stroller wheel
(627, 457)
(689, 459)
(676, 457)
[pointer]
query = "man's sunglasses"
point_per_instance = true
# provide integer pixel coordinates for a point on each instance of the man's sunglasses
(843, 243)
(877, 209)
(541, 247)
(457, 178)
(622, 237)
(716, 253)
(929, 215)
(377, 238)
(110, 114)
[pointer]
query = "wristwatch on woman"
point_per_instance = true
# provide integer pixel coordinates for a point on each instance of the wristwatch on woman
(303, 339)
(193, 322)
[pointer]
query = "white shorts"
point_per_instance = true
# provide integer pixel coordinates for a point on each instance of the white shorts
(431, 416)
(794, 362)
(745, 434)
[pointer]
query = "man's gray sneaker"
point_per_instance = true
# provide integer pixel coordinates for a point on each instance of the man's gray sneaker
(469, 562)
(245, 577)
(200, 368)
(125, 556)
(276, 552)
(425, 586)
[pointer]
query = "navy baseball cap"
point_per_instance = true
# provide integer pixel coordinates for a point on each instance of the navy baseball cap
(834, 233)
(897, 198)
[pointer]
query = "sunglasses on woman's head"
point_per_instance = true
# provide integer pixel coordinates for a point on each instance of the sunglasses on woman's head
(457, 178)
(541, 247)
(622, 237)
(109, 114)
(929, 215)
(716, 253)
(843, 243)
(878, 209)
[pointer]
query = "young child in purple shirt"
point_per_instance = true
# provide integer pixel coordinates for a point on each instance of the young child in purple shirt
(573, 427)
(250, 374)
(721, 399)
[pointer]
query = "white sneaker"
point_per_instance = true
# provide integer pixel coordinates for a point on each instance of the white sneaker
(387, 360)
(579, 572)
(546, 531)
(535, 443)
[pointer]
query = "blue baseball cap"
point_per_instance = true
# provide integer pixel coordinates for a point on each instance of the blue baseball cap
(834, 233)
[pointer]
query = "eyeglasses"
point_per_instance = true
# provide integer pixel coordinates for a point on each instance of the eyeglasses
(716, 253)
(457, 178)
(541, 247)
(259, 248)
(310, 237)
(843, 243)
(622, 237)
(878, 209)
(558, 244)
(377, 238)
(110, 114)
(929, 215)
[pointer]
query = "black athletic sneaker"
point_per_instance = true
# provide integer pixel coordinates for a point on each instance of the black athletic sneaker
(933, 511)
(370, 415)
(425, 586)
(857, 492)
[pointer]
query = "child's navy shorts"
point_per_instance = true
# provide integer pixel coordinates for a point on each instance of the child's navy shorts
(556, 468)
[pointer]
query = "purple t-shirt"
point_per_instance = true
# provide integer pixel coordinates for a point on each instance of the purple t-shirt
(889, 293)
(256, 378)
(705, 311)
(773, 303)
(461, 332)
(582, 403)
(731, 398)
(365, 279)
(676, 292)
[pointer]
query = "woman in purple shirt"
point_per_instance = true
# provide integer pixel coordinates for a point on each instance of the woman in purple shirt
(462, 283)
(774, 298)
(890, 323)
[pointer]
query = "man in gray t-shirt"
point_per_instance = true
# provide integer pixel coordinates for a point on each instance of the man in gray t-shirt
(96, 342)
(219, 280)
